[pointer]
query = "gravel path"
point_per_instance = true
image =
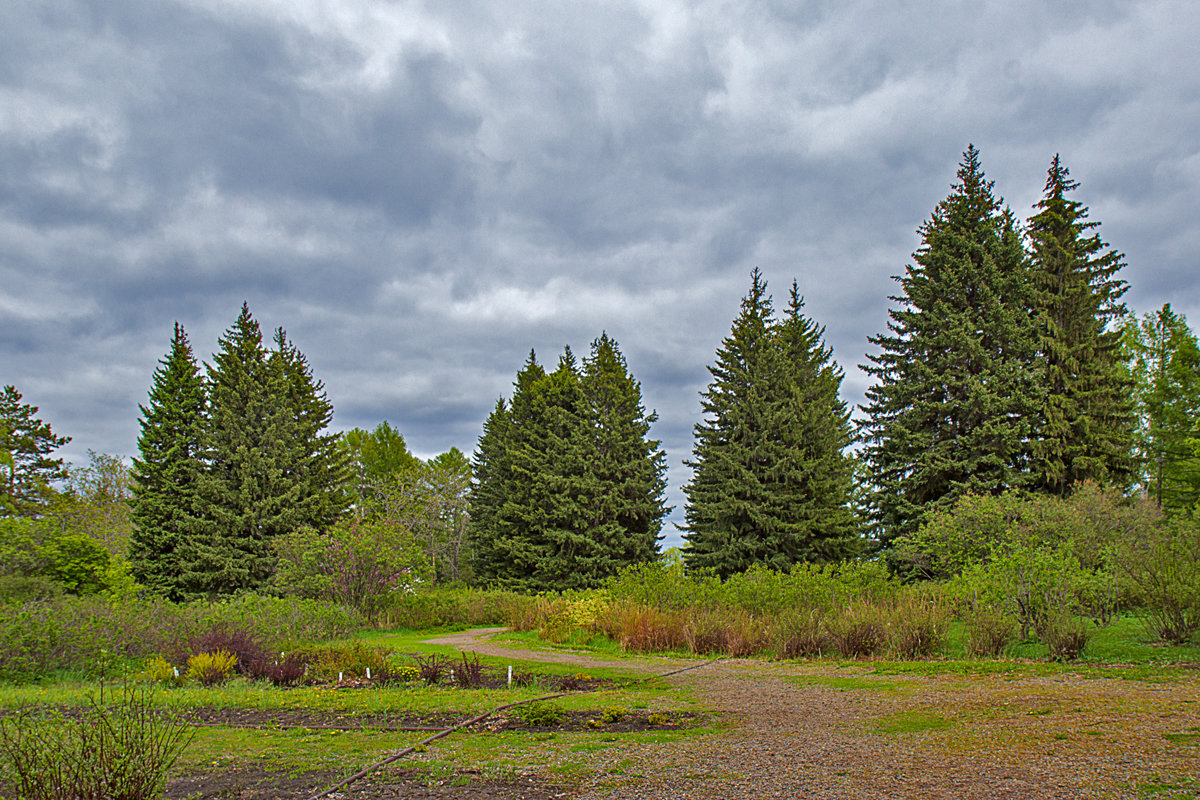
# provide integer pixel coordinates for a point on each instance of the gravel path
(817, 730)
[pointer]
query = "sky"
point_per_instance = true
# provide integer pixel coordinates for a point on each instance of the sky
(421, 193)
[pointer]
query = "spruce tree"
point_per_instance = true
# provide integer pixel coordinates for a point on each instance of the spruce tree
(627, 469)
(504, 555)
(567, 488)
(957, 387)
(725, 496)
(490, 481)
(271, 469)
(26, 468)
(554, 494)
(771, 483)
(1086, 429)
(315, 462)
(813, 475)
(167, 476)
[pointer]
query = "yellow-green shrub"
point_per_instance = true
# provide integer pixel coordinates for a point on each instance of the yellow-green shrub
(210, 669)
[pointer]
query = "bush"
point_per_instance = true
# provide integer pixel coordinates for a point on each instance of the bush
(540, 714)
(364, 563)
(1163, 572)
(916, 626)
(433, 667)
(468, 674)
(801, 634)
(989, 633)
(223, 637)
(159, 670)
(351, 659)
(211, 669)
(70, 632)
(644, 629)
(288, 670)
(441, 607)
(117, 748)
(858, 632)
(403, 673)
(1064, 634)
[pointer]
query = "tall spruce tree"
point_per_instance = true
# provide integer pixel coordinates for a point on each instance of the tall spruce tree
(168, 473)
(270, 467)
(491, 478)
(567, 488)
(315, 462)
(26, 468)
(771, 483)
(627, 469)
(1087, 424)
(503, 555)
(957, 387)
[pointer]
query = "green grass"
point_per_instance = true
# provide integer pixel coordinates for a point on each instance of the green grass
(913, 722)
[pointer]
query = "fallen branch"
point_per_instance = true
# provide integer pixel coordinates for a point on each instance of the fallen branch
(399, 754)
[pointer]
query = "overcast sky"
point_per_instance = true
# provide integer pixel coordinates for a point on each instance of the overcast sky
(420, 193)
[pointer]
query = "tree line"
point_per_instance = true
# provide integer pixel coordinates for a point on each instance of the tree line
(1009, 364)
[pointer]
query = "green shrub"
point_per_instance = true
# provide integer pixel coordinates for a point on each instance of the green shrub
(348, 660)
(441, 607)
(615, 714)
(116, 748)
(988, 632)
(915, 626)
(159, 670)
(858, 632)
(1064, 634)
(1162, 571)
(540, 714)
(801, 633)
(211, 669)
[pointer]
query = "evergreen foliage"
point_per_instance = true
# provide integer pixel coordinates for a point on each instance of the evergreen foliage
(1164, 359)
(230, 463)
(567, 486)
(957, 384)
(26, 468)
(771, 482)
(166, 478)
(1086, 420)
(627, 466)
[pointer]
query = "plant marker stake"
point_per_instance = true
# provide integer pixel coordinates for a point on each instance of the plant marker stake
(510, 676)
(452, 676)
(368, 673)
(339, 677)
(176, 671)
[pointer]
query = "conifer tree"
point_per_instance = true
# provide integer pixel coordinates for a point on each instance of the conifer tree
(503, 556)
(957, 391)
(315, 462)
(567, 488)
(1086, 428)
(271, 469)
(26, 468)
(627, 469)
(167, 476)
(771, 483)
(491, 478)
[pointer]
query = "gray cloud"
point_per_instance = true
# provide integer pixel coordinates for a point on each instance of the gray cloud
(421, 194)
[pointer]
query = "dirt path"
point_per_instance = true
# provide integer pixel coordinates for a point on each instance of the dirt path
(477, 641)
(824, 731)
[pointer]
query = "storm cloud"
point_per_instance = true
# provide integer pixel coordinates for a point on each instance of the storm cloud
(423, 193)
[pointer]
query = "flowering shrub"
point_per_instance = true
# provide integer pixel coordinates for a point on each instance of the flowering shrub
(363, 563)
